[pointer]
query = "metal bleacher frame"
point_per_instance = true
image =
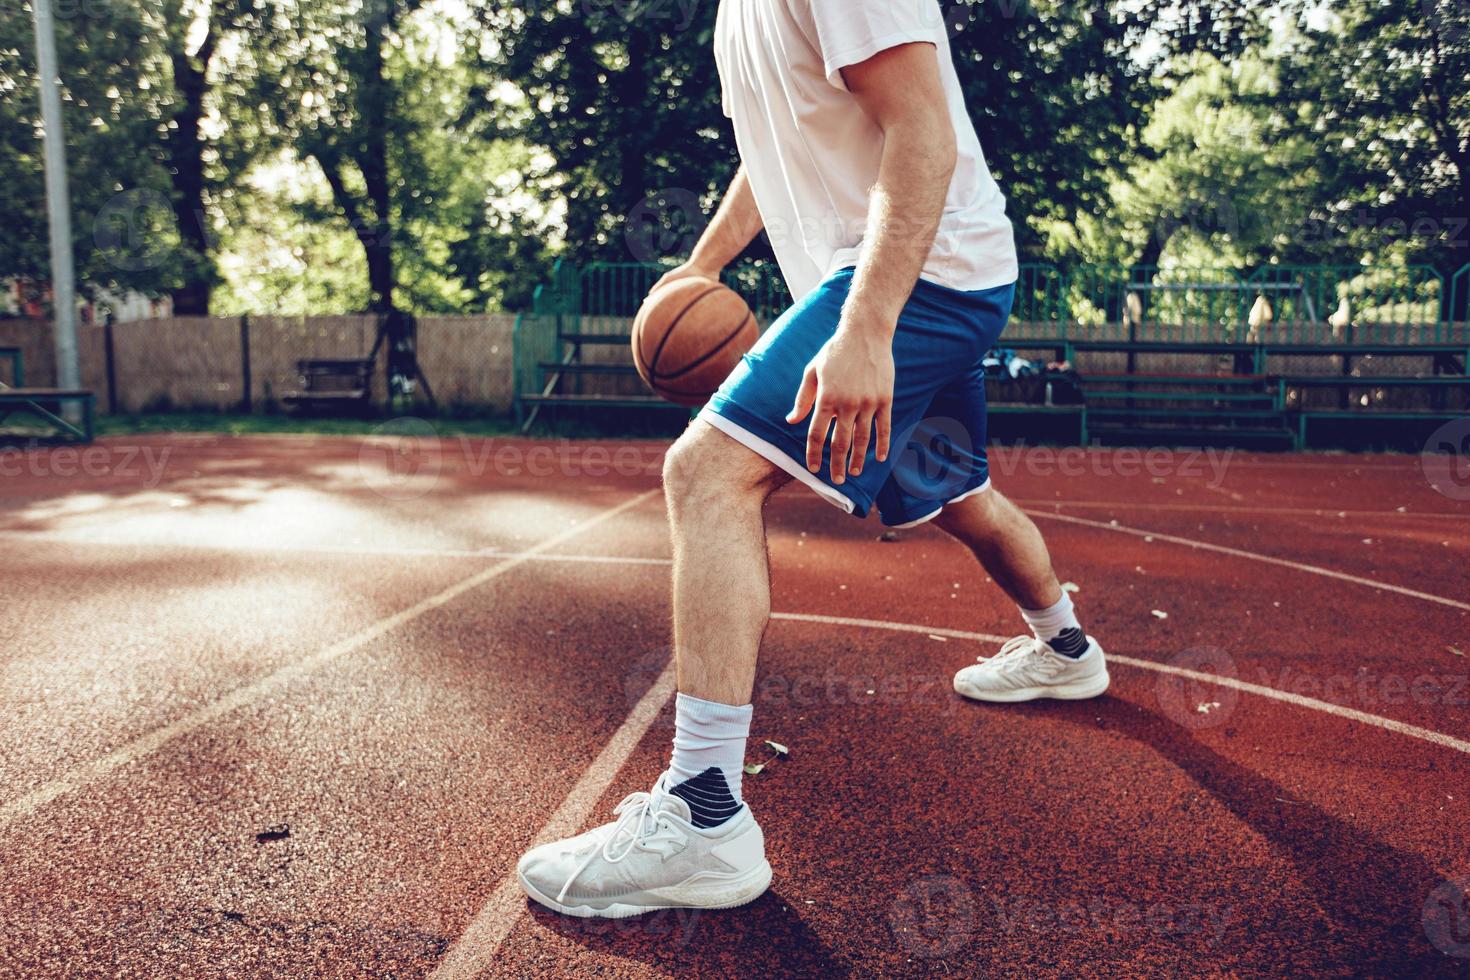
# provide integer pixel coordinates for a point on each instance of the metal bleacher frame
(47, 405)
(1244, 399)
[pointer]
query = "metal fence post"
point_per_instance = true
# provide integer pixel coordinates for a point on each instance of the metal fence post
(247, 403)
(111, 363)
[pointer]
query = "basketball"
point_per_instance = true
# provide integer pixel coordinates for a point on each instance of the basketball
(688, 336)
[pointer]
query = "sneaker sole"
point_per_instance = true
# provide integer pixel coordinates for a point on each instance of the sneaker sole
(1080, 691)
(724, 893)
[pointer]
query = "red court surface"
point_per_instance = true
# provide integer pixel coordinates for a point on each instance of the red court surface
(293, 707)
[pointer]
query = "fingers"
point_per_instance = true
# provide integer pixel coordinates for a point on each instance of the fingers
(806, 397)
(885, 427)
(862, 434)
(816, 438)
(841, 444)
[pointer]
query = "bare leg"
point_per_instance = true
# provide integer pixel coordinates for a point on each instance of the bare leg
(716, 489)
(1007, 544)
(1062, 661)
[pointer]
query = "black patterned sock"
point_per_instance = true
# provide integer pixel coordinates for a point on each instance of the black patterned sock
(1069, 643)
(710, 801)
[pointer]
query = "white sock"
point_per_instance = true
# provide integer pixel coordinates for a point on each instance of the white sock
(1058, 625)
(708, 736)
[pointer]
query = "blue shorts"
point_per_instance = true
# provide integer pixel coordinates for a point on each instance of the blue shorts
(938, 442)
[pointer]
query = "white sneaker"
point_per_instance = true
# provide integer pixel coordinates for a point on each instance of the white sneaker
(650, 858)
(1027, 668)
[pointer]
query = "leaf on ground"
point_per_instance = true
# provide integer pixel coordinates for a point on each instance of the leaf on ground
(778, 748)
(1456, 651)
(752, 769)
(1159, 613)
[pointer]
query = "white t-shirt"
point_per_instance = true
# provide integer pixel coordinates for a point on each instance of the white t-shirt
(812, 154)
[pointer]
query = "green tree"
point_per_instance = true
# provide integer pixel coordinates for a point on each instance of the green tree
(204, 168)
(624, 98)
(123, 233)
(322, 84)
(1215, 181)
(1384, 95)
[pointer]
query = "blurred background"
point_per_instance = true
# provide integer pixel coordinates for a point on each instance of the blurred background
(305, 162)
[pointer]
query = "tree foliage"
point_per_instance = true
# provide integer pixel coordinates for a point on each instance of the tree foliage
(123, 233)
(437, 156)
(1383, 94)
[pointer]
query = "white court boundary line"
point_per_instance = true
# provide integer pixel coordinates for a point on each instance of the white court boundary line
(1253, 556)
(1286, 697)
(151, 742)
(1336, 513)
(475, 949)
(268, 548)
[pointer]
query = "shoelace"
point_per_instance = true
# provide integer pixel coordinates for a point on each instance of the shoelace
(1020, 653)
(636, 820)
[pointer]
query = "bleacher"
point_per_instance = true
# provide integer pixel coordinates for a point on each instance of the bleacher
(1288, 358)
(61, 413)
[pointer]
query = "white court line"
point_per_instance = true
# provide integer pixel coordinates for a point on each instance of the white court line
(151, 742)
(1332, 512)
(476, 949)
(473, 953)
(1326, 707)
(1253, 556)
(534, 554)
(81, 539)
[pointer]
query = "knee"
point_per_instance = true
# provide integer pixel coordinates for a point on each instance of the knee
(704, 466)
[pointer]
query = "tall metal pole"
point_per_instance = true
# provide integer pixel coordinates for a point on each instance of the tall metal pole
(58, 201)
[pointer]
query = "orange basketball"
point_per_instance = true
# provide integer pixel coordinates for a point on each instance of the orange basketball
(688, 336)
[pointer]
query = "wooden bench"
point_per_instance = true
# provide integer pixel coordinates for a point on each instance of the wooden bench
(333, 383)
(46, 404)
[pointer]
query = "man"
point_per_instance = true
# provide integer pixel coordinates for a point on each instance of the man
(860, 161)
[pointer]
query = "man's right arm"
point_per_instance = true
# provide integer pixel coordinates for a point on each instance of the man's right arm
(735, 225)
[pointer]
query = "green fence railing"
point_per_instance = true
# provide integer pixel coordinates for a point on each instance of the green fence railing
(1350, 304)
(1456, 313)
(1040, 306)
(1274, 304)
(1138, 303)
